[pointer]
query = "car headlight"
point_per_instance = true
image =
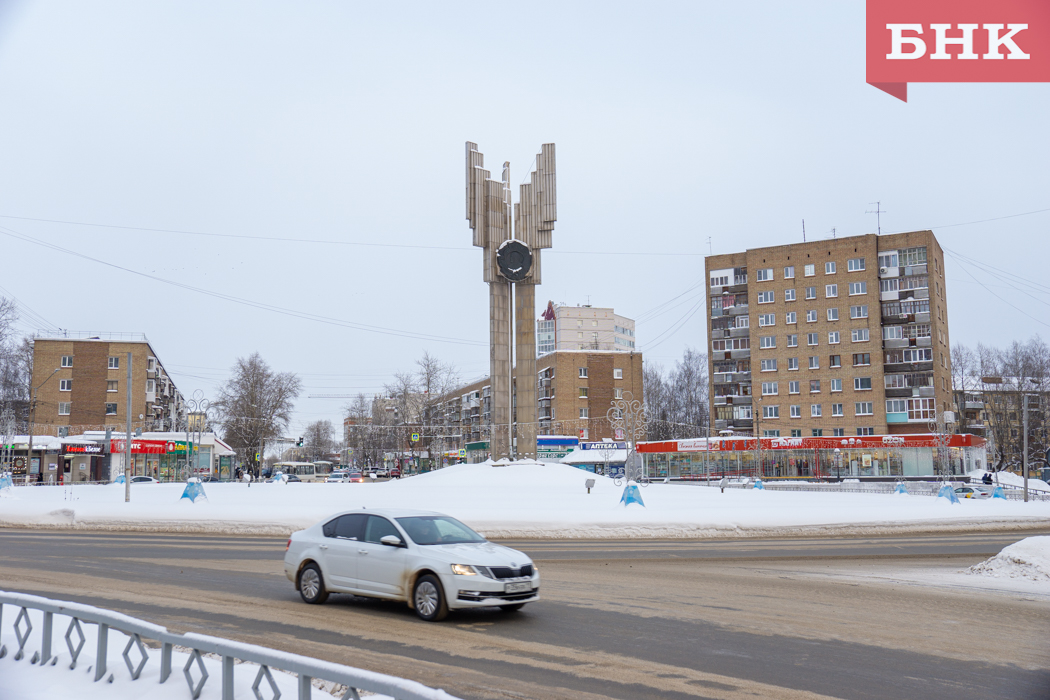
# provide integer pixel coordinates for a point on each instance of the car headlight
(464, 570)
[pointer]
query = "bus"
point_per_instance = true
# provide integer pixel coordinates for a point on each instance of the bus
(306, 471)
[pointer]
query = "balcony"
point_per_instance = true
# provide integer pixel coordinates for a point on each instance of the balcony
(895, 343)
(738, 310)
(911, 270)
(899, 393)
(973, 405)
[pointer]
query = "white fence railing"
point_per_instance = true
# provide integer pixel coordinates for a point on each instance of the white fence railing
(306, 669)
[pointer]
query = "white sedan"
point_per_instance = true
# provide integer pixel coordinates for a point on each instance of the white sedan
(431, 561)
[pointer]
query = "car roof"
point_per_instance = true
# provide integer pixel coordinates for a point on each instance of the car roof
(392, 512)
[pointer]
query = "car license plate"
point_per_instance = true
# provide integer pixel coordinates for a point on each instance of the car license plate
(517, 587)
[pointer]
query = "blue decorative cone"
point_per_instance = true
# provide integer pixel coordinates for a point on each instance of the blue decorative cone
(194, 491)
(997, 492)
(631, 494)
(759, 485)
(901, 488)
(119, 479)
(948, 492)
(5, 481)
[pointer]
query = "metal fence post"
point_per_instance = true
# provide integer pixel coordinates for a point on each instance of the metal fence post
(165, 662)
(305, 688)
(101, 651)
(227, 678)
(45, 645)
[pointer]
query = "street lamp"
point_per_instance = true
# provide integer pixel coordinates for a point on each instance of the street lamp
(1024, 399)
(33, 417)
(838, 464)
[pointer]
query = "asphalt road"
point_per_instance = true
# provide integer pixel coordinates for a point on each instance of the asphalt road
(790, 618)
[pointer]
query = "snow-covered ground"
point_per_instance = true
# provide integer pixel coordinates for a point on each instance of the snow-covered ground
(1011, 479)
(1028, 559)
(22, 680)
(525, 499)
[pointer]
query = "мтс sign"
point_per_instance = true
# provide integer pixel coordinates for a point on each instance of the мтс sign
(956, 41)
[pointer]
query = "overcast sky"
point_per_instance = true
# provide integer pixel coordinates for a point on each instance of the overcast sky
(338, 127)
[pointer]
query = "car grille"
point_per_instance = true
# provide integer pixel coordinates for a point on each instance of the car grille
(509, 597)
(507, 572)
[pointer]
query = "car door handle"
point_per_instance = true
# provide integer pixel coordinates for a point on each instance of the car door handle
(324, 546)
(362, 551)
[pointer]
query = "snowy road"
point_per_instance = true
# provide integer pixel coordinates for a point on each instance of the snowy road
(805, 618)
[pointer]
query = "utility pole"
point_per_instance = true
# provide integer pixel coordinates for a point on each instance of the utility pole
(1024, 398)
(127, 441)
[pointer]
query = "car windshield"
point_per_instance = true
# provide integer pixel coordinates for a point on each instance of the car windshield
(438, 529)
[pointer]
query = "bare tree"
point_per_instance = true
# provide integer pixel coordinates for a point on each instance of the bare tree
(319, 439)
(255, 405)
(16, 367)
(435, 379)
(677, 404)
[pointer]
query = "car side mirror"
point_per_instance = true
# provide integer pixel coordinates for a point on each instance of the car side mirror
(391, 541)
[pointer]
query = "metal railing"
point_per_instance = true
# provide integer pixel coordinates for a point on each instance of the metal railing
(915, 488)
(306, 669)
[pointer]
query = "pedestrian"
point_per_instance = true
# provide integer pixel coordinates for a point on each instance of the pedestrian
(987, 478)
(722, 484)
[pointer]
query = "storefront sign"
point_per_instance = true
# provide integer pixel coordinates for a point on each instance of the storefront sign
(87, 449)
(603, 445)
(141, 447)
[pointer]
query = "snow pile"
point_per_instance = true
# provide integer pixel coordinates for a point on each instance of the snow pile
(522, 499)
(1027, 559)
(1011, 479)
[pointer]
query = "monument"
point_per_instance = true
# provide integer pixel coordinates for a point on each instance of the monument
(512, 238)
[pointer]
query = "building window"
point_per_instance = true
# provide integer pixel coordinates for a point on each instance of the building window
(789, 272)
(811, 338)
(767, 319)
(811, 316)
(836, 409)
(831, 290)
(814, 362)
(64, 408)
(793, 340)
(771, 411)
(789, 295)
(67, 360)
(858, 311)
(114, 362)
(887, 260)
(835, 361)
(151, 386)
(793, 388)
(617, 393)
(818, 432)
(836, 384)
(896, 406)
(770, 433)
(583, 372)
(766, 297)
(833, 314)
(814, 410)
(829, 268)
(860, 335)
(858, 288)
(767, 341)
(796, 433)
(810, 270)
(796, 411)
(922, 409)
(742, 322)
(769, 365)
(583, 392)
(892, 333)
(764, 275)
(833, 337)
(913, 256)
(792, 363)
(855, 264)
(814, 386)
(584, 413)
(865, 431)
(65, 385)
(769, 389)
(111, 409)
(862, 383)
(861, 358)
(720, 281)
(863, 408)
(111, 385)
(617, 374)
(791, 317)
(811, 292)
(838, 432)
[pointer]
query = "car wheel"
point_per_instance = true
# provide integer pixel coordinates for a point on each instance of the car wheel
(429, 599)
(512, 608)
(311, 585)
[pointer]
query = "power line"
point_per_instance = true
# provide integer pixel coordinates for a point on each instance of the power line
(999, 297)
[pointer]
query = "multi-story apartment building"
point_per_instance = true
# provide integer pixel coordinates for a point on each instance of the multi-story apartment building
(563, 327)
(837, 337)
(575, 391)
(88, 390)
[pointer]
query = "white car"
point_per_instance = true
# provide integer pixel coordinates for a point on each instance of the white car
(144, 480)
(339, 477)
(431, 561)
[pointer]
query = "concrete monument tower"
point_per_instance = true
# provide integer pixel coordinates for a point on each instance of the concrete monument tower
(512, 242)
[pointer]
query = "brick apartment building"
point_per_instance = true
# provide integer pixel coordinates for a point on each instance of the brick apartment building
(838, 337)
(88, 392)
(575, 391)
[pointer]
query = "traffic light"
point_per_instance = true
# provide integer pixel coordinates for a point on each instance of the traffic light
(299, 443)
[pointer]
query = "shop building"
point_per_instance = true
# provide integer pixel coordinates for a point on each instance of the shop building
(874, 456)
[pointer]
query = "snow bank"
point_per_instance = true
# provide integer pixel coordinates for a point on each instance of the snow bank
(23, 680)
(524, 499)
(1027, 559)
(1011, 479)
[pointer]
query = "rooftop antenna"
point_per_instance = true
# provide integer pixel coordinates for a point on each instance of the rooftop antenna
(879, 211)
(803, 230)
(710, 249)
(833, 232)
